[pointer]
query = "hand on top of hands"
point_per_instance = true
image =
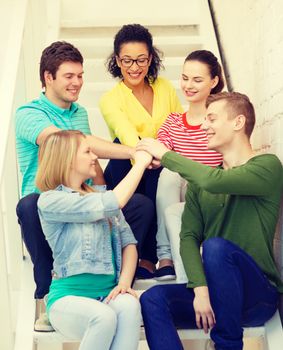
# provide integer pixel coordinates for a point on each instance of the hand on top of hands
(120, 289)
(152, 146)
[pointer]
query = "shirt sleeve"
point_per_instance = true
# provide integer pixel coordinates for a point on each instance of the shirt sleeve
(256, 177)
(30, 122)
(164, 133)
(191, 237)
(59, 206)
(117, 121)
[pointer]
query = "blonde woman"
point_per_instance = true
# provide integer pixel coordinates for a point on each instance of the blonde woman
(93, 247)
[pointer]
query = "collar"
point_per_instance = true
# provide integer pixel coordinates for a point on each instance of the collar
(64, 112)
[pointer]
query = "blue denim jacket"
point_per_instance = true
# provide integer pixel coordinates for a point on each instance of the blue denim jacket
(81, 230)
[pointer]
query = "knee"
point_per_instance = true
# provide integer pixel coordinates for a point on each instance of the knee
(150, 297)
(130, 307)
(106, 320)
(214, 250)
(27, 205)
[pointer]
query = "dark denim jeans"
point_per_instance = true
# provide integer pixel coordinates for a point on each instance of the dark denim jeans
(139, 213)
(240, 295)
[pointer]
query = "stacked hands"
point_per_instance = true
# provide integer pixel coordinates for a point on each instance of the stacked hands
(153, 148)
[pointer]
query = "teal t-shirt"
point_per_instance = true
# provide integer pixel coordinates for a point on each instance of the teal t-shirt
(84, 285)
(31, 120)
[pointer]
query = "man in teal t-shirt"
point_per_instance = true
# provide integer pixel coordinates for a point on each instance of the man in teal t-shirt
(231, 212)
(61, 75)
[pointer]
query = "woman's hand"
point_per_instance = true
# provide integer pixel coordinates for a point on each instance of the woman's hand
(152, 146)
(143, 158)
(120, 289)
(204, 314)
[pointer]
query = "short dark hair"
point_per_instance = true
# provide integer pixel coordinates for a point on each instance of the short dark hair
(214, 67)
(56, 54)
(134, 33)
(236, 104)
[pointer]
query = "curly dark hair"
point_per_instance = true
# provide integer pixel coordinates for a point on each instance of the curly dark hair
(214, 67)
(134, 33)
(54, 55)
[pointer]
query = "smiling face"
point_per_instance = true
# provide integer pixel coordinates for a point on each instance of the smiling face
(66, 87)
(85, 161)
(196, 82)
(134, 75)
(220, 128)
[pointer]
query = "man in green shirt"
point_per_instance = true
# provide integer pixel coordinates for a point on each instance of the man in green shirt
(231, 212)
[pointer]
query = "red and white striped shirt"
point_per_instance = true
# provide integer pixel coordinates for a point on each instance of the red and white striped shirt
(187, 140)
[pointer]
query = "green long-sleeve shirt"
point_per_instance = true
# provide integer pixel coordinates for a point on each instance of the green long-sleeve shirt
(239, 204)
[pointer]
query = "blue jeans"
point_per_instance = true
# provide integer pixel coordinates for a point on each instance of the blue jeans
(115, 171)
(139, 213)
(240, 296)
(98, 325)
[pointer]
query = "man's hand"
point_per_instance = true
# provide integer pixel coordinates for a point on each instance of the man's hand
(120, 289)
(204, 314)
(152, 146)
(155, 164)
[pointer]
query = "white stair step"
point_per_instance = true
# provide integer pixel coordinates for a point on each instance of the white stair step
(81, 30)
(171, 46)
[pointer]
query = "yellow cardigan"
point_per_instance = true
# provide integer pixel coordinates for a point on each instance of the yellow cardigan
(128, 120)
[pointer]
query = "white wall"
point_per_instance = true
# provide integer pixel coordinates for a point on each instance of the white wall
(251, 34)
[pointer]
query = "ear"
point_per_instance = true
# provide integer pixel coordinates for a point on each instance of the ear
(48, 77)
(239, 122)
(215, 81)
(118, 61)
(150, 59)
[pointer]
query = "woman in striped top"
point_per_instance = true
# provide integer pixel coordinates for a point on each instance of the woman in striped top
(181, 132)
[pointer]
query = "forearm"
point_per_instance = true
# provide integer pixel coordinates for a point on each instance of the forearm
(129, 264)
(108, 150)
(126, 188)
(256, 177)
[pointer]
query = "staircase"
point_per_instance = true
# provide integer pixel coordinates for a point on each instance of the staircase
(177, 29)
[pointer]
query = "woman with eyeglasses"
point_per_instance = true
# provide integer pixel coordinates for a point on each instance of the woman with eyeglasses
(136, 108)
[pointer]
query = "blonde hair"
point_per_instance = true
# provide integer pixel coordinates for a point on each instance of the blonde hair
(56, 156)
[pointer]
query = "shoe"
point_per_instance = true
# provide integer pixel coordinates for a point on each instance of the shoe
(143, 274)
(166, 273)
(42, 324)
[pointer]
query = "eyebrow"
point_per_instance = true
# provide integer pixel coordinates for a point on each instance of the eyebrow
(197, 77)
(129, 56)
(70, 73)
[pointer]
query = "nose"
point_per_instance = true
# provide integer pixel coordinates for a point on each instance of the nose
(77, 80)
(93, 156)
(204, 125)
(134, 66)
(188, 84)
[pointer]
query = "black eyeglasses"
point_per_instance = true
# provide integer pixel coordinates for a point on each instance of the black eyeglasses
(128, 62)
